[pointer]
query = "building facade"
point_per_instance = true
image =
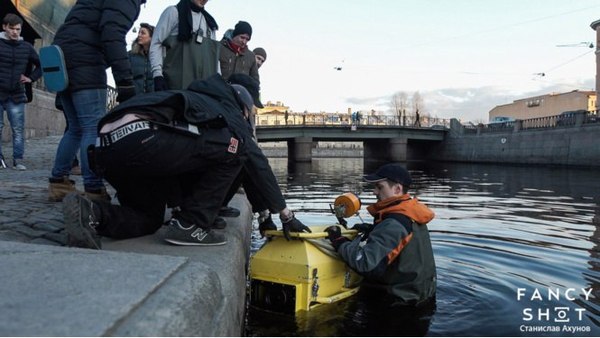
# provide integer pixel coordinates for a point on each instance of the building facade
(596, 27)
(278, 114)
(546, 105)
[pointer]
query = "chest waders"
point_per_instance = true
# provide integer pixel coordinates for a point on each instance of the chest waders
(188, 61)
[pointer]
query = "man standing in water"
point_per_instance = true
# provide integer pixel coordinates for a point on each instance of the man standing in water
(394, 255)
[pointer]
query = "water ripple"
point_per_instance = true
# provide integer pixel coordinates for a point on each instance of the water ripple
(497, 230)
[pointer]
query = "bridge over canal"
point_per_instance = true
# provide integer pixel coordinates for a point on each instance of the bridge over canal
(381, 142)
(552, 140)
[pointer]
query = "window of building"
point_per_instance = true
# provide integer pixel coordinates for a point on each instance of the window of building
(534, 103)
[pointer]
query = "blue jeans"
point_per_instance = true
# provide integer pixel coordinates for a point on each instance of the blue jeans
(83, 109)
(16, 117)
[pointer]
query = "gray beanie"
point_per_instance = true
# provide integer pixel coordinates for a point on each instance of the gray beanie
(260, 51)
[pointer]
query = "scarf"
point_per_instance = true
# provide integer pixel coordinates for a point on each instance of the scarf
(184, 9)
(235, 48)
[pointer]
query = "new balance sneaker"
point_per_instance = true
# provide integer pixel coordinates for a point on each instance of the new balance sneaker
(18, 165)
(229, 212)
(2, 163)
(179, 233)
(81, 221)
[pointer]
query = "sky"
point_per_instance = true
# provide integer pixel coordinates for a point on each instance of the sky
(463, 57)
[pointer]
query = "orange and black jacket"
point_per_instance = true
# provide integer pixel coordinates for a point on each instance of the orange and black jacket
(397, 254)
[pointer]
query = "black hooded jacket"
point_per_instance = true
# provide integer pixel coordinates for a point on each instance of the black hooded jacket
(209, 102)
(206, 102)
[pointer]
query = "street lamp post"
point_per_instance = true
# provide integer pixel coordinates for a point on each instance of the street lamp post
(596, 26)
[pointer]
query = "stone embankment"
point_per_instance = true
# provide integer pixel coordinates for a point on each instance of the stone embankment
(135, 287)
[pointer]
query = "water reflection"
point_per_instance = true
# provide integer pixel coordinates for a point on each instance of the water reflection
(497, 229)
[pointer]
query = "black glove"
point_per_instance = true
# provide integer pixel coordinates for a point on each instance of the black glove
(125, 90)
(160, 84)
(265, 225)
(363, 227)
(58, 103)
(335, 236)
(293, 225)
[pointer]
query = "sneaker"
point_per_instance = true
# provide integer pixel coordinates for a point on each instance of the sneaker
(81, 222)
(219, 223)
(18, 165)
(180, 234)
(2, 163)
(229, 212)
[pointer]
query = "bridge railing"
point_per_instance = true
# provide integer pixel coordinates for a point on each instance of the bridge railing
(561, 120)
(344, 120)
(546, 122)
(295, 119)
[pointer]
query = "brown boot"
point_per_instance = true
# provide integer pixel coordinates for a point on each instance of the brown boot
(98, 195)
(58, 188)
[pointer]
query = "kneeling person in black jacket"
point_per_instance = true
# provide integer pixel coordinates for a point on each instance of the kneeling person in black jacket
(179, 148)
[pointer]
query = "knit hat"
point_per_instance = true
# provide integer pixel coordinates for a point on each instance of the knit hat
(260, 51)
(241, 28)
(250, 84)
(393, 172)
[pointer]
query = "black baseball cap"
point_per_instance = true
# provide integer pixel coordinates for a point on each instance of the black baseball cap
(393, 172)
(250, 84)
(244, 95)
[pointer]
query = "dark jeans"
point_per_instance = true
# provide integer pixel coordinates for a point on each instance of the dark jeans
(83, 109)
(160, 166)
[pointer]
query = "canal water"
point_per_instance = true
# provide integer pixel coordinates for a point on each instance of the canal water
(516, 249)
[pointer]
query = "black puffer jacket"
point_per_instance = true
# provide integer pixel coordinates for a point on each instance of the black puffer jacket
(93, 38)
(14, 57)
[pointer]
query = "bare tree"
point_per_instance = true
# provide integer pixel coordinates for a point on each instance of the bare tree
(417, 102)
(399, 104)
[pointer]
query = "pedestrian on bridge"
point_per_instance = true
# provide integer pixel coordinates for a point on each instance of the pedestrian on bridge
(417, 119)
